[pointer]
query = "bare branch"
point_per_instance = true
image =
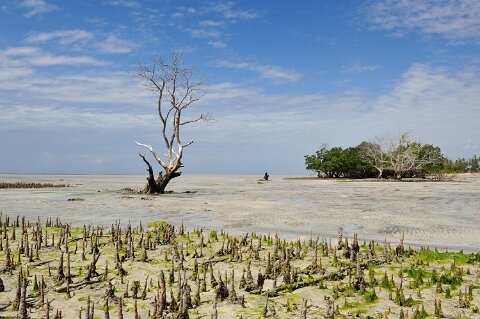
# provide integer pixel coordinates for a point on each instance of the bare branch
(204, 117)
(150, 148)
(189, 143)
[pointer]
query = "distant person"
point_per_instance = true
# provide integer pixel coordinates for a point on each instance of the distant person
(266, 176)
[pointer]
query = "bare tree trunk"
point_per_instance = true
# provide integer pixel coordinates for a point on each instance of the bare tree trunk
(163, 180)
(151, 187)
(157, 186)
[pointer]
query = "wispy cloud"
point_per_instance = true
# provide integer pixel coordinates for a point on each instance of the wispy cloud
(183, 11)
(203, 33)
(45, 117)
(469, 145)
(432, 103)
(84, 39)
(114, 44)
(211, 23)
(228, 11)
(359, 68)
(96, 21)
(64, 37)
(36, 7)
(124, 3)
(280, 75)
(25, 56)
(4, 8)
(454, 20)
(217, 44)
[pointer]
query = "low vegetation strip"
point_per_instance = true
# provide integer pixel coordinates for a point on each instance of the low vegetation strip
(388, 157)
(4, 185)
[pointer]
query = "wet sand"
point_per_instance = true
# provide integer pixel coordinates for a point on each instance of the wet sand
(430, 213)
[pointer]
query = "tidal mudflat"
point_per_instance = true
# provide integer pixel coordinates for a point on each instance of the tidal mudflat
(143, 267)
(441, 214)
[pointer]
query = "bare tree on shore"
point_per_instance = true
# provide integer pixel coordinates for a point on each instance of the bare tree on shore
(374, 153)
(398, 154)
(176, 90)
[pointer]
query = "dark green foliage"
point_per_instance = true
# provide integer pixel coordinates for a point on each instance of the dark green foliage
(337, 162)
(417, 274)
(386, 283)
(451, 279)
(423, 314)
(35, 284)
(370, 296)
(351, 162)
(448, 293)
(463, 165)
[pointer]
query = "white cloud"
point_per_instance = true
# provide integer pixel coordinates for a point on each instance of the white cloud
(469, 145)
(84, 39)
(228, 11)
(92, 88)
(33, 56)
(65, 37)
(277, 73)
(177, 15)
(114, 44)
(359, 68)
(182, 11)
(46, 59)
(225, 91)
(36, 7)
(191, 10)
(124, 3)
(217, 44)
(25, 76)
(272, 72)
(28, 116)
(203, 33)
(455, 20)
(96, 88)
(435, 105)
(96, 21)
(423, 86)
(211, 23)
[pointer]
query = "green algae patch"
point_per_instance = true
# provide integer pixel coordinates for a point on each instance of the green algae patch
(436, 256)
(158, 224)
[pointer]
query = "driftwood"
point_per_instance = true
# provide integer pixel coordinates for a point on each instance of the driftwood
(296, 285)
(78, 285)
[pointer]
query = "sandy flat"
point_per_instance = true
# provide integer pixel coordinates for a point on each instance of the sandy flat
(430, 213)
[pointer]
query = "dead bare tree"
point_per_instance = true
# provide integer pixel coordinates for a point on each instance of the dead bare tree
(398, 154)
(403, 155)
(176, 91)
(374, 154)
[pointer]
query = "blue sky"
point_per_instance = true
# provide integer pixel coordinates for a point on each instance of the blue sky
(282, 78)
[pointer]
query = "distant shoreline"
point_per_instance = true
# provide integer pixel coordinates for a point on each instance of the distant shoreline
(453, 178)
